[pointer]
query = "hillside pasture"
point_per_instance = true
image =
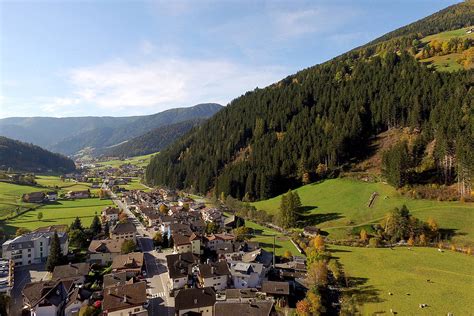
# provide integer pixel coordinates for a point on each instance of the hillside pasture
(264, 236)
(61, 212)
(446, 36)
(55, 183)
(140, 161)
(443, 280)
(338, 206)
(10, 198)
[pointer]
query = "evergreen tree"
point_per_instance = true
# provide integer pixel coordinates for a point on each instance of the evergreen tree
(77, 224)
(96, 227)
(55, 255)
(395, 163)
(106, 228)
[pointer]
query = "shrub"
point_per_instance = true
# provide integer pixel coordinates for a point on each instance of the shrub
(374, 242)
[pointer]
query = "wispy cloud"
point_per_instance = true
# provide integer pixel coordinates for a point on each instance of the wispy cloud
(161, 84)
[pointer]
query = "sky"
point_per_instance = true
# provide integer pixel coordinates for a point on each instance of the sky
(118, 58)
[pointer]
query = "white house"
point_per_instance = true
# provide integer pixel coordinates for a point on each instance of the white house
(32, 248)
(246, 275)
(215, 275)
(195, 302)
(110, 214)
(126, 299)
(180, 268)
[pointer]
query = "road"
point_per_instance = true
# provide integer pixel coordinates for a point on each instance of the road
(155, 263)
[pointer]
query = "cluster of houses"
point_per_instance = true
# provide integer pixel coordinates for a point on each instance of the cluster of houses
(126, 170)
(214, 273)
(208, 272)
(122, 292)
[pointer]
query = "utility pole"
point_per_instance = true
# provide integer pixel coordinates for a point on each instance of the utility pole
(274, 240)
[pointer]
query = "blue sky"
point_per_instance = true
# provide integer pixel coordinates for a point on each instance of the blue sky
(117, 58)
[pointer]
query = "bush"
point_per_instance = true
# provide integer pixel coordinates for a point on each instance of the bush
(374, 242)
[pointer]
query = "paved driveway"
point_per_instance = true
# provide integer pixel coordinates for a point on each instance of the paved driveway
(24, 275)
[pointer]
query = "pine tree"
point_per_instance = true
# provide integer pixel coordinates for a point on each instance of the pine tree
(55, 256)
(106, 228)
(96, 227)
(77, 224)
(284, 211)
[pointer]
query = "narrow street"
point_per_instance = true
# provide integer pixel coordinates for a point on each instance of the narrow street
(155, 264)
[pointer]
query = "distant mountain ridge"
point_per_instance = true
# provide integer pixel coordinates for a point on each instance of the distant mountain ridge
(71, 134)
(150, 142)
(21, 156)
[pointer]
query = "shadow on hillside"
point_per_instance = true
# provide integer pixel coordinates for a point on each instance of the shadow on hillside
(361, 292)
(306, 209)
(332, 250)
(315, 219)
(268, 245)
(448, 233)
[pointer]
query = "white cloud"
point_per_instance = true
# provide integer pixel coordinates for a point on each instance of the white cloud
(162, 83)
(59, 105)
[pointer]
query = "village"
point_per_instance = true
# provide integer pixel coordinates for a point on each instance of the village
(159, 252)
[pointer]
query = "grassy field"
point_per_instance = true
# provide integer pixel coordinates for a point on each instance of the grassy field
(55, 183)
(135, 185)
(141, 161)
(340, 205)
(265, 238)
(401, 272)
(10, 198)
(446, 62)
(62, 212)
(446, 36)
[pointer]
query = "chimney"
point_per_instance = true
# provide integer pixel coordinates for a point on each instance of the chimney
(125, 298)
(212, 270)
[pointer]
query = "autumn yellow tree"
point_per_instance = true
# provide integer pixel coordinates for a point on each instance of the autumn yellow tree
(287, 254)
(315, 306)
(363, 235)
(163, 209)
(317, 274)
(422, 240)
(303, 308)
(411, 241)
(433, 225)
(318, 243)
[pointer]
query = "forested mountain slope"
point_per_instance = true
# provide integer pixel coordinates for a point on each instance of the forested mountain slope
(271, 139)
(26, 157)
(150, 142)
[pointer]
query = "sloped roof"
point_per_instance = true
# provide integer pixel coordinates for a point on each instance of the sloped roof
(70, 270)
(105, 246)
(195, 298)
(124, 296)
(254, 308)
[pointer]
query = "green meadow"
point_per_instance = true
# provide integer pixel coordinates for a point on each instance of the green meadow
(339, 206)
(55, 183)
(61, 212)
(10, 198)
(141, 161)
(376, 272)
(264, 236)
